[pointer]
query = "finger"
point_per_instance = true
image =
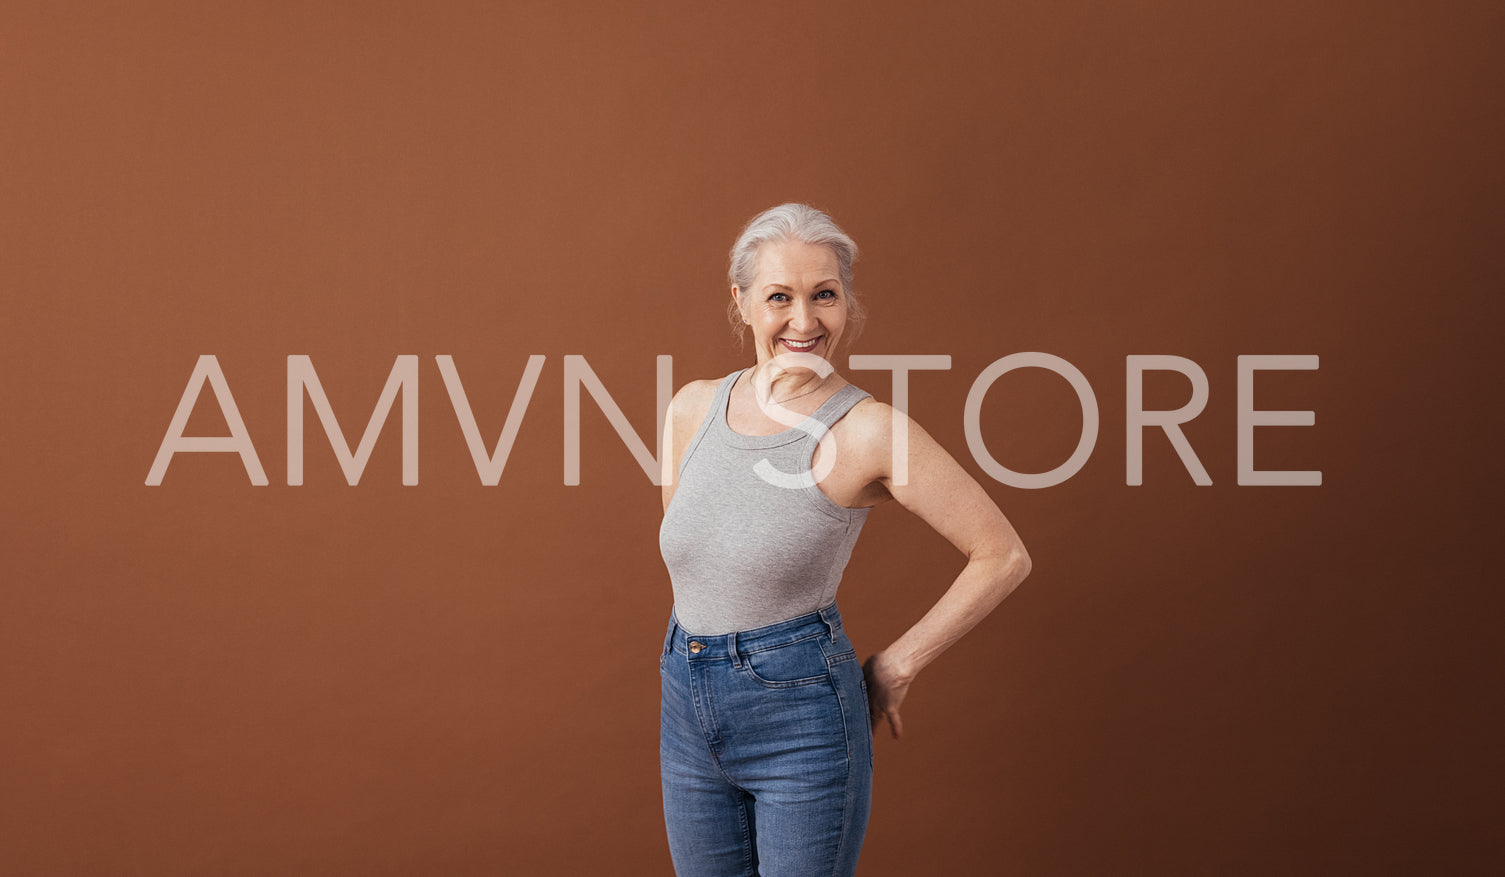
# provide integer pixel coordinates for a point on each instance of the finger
(896, 723)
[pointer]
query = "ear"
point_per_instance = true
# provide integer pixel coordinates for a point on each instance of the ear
(737, 300)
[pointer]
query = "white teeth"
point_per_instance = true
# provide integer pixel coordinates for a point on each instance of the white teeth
(800, 345)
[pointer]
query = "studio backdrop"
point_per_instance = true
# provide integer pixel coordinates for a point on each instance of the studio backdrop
(336, 337)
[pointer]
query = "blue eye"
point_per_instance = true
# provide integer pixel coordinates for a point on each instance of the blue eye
(826, 293)
(778, 296)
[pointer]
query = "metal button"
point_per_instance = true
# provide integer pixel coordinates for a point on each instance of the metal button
(695, 647)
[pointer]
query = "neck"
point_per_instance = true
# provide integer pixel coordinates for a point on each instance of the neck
(772, 384)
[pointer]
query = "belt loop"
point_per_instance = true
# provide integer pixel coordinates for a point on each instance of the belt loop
(669, 637)
(826, 612)
(731, 649)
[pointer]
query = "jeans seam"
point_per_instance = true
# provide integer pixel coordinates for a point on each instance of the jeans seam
(846, 801)
(710, 708)
(776, 685)
(745, 651)
(747, 841)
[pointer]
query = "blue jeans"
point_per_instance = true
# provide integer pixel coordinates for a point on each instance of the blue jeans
(765, 749)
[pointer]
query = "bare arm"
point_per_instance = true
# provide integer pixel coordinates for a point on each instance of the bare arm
(942, 494)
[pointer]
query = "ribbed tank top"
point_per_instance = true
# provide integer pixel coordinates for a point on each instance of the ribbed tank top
(743, 552)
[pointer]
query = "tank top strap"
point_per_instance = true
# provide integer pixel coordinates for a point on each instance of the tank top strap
(712, 418)
(724, 391)
(836, 407)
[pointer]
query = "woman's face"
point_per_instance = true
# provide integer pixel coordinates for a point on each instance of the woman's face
(797, 303)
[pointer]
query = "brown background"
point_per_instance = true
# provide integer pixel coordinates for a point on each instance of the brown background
(211, 678)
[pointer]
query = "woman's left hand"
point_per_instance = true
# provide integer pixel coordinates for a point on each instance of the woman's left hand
(886, 686)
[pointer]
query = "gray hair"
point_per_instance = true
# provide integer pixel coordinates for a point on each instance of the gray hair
(793, 222)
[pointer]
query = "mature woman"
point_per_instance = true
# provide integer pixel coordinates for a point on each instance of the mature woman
(767, 717)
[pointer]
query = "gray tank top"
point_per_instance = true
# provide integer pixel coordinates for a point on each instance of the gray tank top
(743, 551)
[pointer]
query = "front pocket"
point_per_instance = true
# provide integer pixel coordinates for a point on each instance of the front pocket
(790, 666)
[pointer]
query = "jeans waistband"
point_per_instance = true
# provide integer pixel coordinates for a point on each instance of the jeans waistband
(697, 647)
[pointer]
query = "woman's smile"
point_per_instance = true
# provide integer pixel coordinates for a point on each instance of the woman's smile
(804, 346)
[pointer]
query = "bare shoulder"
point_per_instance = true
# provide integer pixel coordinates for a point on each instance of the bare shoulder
(691, 403)
(868, 421)
(696, 392)
(868, 432)
(872, 423)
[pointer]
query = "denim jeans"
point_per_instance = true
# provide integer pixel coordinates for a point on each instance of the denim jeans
(765, 749)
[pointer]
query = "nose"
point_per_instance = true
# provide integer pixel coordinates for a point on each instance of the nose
(803, 319)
